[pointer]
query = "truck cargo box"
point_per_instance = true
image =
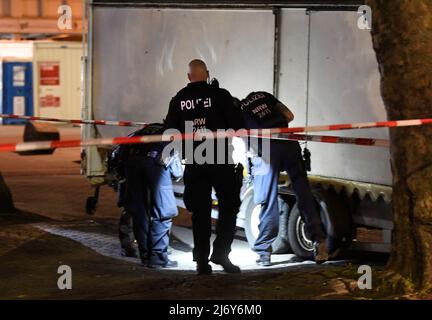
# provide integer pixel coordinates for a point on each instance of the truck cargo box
(319, 63)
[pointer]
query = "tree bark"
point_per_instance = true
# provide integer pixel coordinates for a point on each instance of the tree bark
(402, 38)
(6, 203)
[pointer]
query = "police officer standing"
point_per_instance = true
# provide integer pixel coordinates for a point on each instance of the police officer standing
(150, 198)
(208, 108)
(262, 110)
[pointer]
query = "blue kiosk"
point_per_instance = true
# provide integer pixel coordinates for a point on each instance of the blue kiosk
(17, 91)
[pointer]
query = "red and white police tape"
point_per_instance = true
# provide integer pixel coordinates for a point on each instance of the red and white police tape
(359, 125)
(267, 133)
(335, 139)
(334, 127)
(76, 121)
(43, 145)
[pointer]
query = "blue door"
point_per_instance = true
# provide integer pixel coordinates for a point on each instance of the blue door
(17, 90)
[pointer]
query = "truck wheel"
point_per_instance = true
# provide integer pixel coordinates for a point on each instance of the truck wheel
(336, 217)
(251, 220)
(300, 243)
(91, 205)
(281, 243)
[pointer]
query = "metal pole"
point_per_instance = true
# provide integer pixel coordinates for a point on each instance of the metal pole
(276, 58)
(309, 13)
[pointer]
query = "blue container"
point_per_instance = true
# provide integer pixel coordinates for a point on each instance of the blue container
(17, 90)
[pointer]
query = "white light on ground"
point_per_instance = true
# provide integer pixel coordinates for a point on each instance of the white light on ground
(241, 254)
(109, 246)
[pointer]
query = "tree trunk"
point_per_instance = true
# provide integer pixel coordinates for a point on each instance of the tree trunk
(6, 203)
(402, 38)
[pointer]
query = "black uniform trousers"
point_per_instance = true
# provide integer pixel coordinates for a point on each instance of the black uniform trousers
(199, 180)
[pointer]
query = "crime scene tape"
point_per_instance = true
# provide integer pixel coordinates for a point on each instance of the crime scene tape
(76, 121)
(268, 133)
(333, 127)
(359, 125)
(335, 139)
(43, 145)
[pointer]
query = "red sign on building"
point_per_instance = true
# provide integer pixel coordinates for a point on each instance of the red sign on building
(49, 73)
(49, 101)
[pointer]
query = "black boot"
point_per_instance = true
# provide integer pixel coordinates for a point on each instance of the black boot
(204, 268)
(226, 264)
(129, 252)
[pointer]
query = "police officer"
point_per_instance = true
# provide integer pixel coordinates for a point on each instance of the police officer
(262, 110)
(209, 108)
(150, 198)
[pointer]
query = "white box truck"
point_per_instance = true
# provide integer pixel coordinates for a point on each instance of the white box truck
(312, 56)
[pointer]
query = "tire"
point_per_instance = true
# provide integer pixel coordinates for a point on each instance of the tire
(281, 245)
(335, 214)
(299, 241)
(251, 220)
(337, 219)
(252, 211)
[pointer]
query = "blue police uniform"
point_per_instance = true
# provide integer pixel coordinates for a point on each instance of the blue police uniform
(209, 108)
(260, 110)
(150, 199)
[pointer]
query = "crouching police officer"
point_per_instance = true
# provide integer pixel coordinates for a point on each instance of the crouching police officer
(262, 110)
(208, 108)
(150, 198)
